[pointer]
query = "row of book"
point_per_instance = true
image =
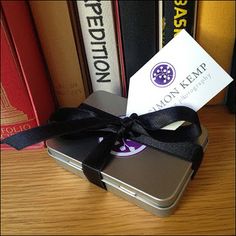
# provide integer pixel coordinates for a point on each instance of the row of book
(55, 53)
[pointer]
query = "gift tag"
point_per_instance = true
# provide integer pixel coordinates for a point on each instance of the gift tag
(180, 74)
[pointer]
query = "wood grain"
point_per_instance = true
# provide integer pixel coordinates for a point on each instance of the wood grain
(39, 197)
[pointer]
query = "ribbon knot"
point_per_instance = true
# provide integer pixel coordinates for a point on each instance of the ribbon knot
(126, 124)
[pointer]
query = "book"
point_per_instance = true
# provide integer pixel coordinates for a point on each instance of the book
(178, 15)
(80, 47)
(160, 24)
(16, 114)
(98, 31)
(216, 34)
(138, 25)
(55, 33)
(120, 48)
(231, 93)
(26, 99)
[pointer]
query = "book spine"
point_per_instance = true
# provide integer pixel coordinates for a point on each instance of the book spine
(98, 30)
(120, 47)
(55, 32)
(160, 24)
(178, 15)
(73, 10)
(17, 113)
(138, 20)
(216, 34)
(231, 93)
(32, 65)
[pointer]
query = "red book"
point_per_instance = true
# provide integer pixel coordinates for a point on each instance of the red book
(26, 99)
(120, 47)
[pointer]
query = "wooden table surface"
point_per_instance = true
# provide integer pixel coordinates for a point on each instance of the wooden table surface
(39, 197)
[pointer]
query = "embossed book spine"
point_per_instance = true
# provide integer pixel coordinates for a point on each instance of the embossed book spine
(98, 31)
(178, 15)
(16, 111)
(26, 100)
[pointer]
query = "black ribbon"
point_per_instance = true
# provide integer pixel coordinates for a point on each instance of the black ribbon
(146, 129)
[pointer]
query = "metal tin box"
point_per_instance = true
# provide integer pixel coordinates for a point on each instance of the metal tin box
(151, 179)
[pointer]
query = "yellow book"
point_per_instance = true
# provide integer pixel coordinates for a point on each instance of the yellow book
(216, 34)
(55, 32)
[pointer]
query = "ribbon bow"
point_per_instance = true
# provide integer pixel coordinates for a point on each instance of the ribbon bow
(146, 129)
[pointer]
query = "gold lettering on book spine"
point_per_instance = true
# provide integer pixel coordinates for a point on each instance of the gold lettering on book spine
(9, 114)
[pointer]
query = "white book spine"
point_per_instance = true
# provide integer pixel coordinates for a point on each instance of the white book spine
(98, 30)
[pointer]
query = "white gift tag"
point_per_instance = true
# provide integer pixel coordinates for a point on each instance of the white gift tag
(180, 74)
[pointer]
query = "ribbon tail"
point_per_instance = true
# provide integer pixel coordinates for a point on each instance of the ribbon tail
(98, 159)
(29, 137)
(41, 133)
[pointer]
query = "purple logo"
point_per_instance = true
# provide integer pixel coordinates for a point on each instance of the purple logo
(126, 147)
(163, 74)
